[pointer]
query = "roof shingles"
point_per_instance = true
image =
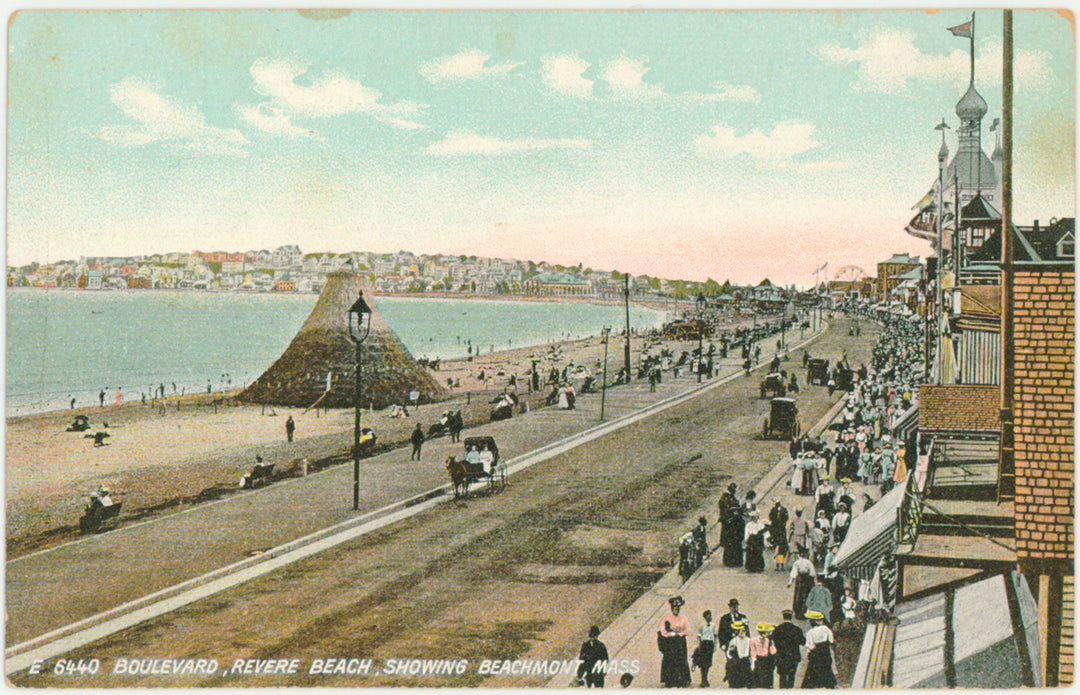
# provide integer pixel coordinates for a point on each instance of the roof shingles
(966, 407)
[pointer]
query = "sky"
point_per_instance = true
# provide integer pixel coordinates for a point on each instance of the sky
(732, 145)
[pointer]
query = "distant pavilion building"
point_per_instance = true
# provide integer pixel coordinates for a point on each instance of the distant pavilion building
(557, 285)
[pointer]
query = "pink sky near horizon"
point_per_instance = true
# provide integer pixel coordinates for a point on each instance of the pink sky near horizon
(783, 252)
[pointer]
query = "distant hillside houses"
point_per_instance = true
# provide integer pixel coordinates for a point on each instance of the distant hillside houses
(287, 269)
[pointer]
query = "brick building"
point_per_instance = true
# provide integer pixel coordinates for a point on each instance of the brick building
(889, 272)
(1044, 417)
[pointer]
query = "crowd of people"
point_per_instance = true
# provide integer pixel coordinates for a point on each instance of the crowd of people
(769, 658)
(805, 542)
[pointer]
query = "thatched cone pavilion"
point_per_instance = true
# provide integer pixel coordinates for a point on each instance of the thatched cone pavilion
(299, 377)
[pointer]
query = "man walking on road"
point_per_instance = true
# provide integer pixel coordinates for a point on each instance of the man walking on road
(417, 442)
(594, 658)
(290, 427)
(788, 638)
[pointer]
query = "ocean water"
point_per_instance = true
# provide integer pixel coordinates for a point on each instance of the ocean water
(64, 344)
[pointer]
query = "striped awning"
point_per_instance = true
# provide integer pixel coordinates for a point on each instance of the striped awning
(872, 534)
(978, 635)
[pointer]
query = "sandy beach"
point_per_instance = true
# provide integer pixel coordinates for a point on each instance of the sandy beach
(158, 459)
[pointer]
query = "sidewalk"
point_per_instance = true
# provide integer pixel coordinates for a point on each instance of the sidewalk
(762, 596)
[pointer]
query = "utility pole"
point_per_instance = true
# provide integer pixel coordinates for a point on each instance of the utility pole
(626, 303)
(1007, 464)
(606, 332)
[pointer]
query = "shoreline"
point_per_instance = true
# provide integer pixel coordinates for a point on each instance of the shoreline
(158, 459)
(195, 393)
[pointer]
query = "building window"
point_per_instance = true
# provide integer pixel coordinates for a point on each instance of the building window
(1066, 246)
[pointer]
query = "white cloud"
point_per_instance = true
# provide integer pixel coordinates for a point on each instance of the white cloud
(333, 94)
(739, 93)
(787, 139)
(625, 77)
(888, 60)
(159, 118)
(823, 165)
(467, 65)
(562, 73)
(271, 120)
(742, 93)
(463, 142)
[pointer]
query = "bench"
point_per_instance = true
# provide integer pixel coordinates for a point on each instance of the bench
(97, 516)
(260, 473)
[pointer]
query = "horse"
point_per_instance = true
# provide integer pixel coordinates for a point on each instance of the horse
(455, 424)
(497, 474)
(460, 476)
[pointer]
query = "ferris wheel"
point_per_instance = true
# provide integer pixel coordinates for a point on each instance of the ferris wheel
(850, 273)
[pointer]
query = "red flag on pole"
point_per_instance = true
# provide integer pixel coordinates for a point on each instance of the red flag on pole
(962, 30)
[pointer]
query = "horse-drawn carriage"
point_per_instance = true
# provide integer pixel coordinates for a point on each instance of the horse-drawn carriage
(817, 371)
(450, 423)
(480, 461)
(845, 377)
(773, 386)
(783, 420)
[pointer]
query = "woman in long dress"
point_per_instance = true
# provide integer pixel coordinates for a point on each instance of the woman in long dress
(819, 655)
(671, 640)
(755, 544)
(763, 657)
(733, 549)
(739, 673)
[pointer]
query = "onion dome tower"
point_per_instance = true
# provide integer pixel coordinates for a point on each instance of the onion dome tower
(971, 169)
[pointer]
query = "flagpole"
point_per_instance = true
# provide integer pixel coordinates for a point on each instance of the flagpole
(972, 37)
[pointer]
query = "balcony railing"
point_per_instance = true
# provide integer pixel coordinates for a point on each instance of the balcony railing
(909, 514)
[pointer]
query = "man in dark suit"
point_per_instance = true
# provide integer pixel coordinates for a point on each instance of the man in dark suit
(789, 639)
(593, 659)
(724, 629)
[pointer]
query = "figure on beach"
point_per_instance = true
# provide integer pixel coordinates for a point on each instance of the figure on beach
(417, 440)
(290, 428)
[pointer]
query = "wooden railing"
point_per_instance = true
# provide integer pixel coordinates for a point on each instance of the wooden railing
(909, 514)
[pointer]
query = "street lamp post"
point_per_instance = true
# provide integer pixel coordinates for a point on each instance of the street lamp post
(603, 386)
(359, 328)
(700, 302)
(783, 320)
